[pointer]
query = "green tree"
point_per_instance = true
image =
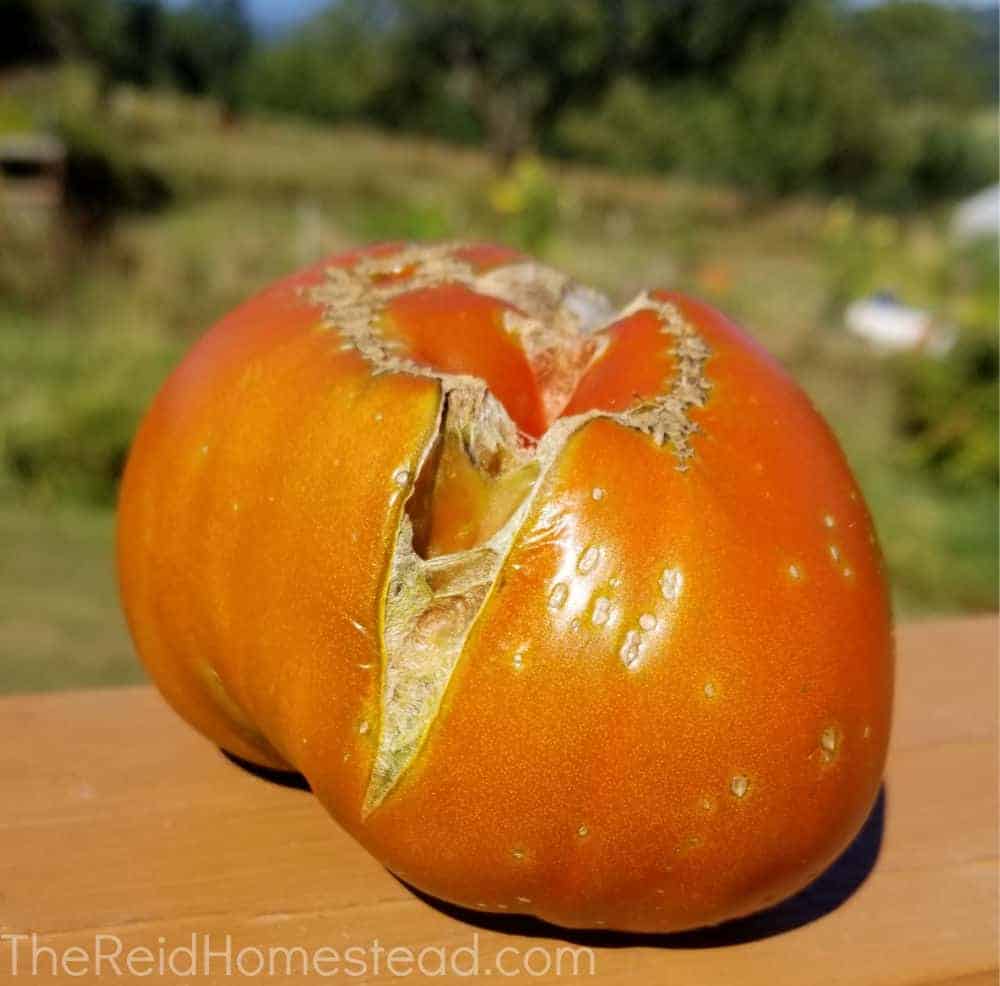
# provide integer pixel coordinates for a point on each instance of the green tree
(208, 47)
(513, 66)
(696, 39)
(806, 108)
(140, 55)
(922, 51)
(24, 34)
(40, 30)
(330, 68)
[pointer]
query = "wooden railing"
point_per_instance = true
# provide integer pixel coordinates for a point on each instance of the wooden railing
(119, 824)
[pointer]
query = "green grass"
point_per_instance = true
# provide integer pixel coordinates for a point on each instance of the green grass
(89, 329)
(60, 623)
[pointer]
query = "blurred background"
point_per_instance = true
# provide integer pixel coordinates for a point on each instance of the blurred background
(824, 172)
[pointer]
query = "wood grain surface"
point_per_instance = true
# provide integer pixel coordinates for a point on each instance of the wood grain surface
(116, 820)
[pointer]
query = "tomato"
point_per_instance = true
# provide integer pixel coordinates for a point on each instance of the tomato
(559, 610)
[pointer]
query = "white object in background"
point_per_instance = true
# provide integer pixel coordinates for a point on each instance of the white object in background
(978, 215)
(892, 327)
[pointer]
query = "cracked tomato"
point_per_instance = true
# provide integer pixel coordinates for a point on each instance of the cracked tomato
(560, 609)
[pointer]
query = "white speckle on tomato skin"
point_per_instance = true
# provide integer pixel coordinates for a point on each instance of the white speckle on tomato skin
(588, 560)
(558, 595)
(671, 584)
(630, 652)
(739, 785)
(601, 611)
(829, 742)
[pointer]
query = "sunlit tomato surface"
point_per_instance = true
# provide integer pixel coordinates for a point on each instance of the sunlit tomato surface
(559, 609)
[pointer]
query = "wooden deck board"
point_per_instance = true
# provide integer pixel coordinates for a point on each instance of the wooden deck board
(116, 819)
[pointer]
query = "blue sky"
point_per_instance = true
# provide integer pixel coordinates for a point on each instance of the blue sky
(280, 13)
(270, 15)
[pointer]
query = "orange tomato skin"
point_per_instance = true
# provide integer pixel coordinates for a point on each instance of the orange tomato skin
(674, 706)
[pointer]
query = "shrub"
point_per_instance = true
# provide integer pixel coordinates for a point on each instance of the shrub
(801, 111)
(625, 131)
(103, 178)
(808, 109)
(952, 159)
(527, 203)
(948, 407)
